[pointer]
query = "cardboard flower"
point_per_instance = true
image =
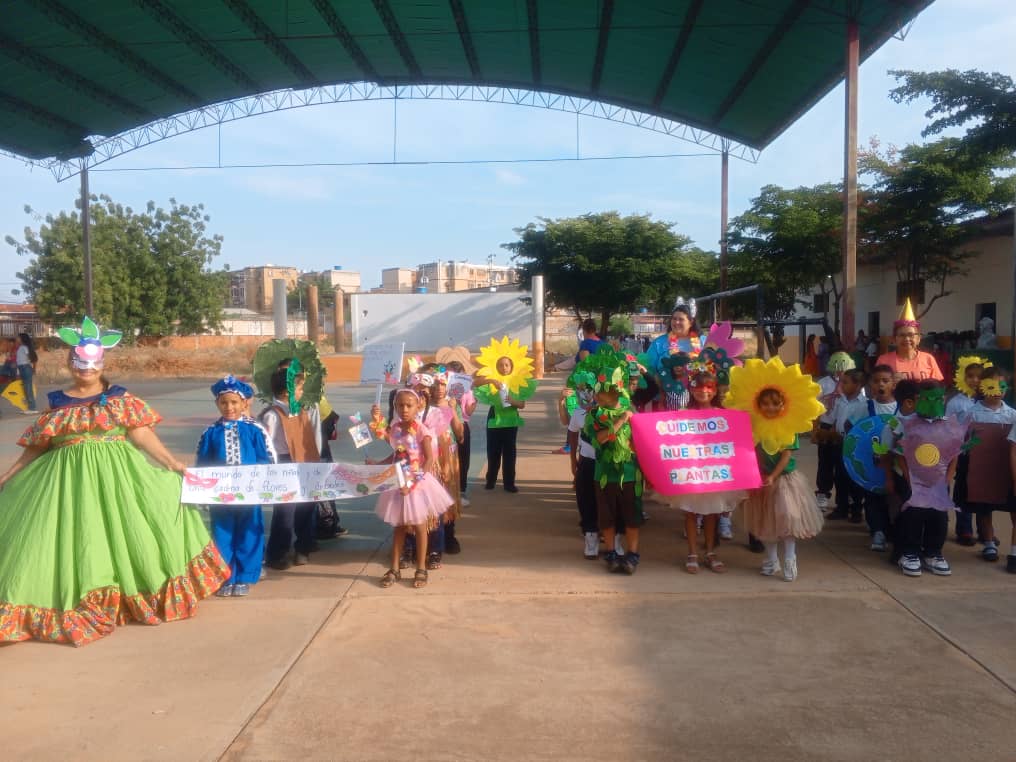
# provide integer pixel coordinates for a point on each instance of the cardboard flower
(522, 367)
(721, 338)
(960, 379)
(800, 401)
(89, 343)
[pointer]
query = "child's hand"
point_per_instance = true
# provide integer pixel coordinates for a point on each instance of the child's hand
(767, 481)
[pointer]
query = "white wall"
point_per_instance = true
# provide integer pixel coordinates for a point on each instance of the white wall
(428, 321)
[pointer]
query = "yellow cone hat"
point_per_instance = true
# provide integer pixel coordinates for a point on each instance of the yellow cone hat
(907, 318)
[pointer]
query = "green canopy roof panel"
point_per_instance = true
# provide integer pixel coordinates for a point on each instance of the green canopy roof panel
(71, 70)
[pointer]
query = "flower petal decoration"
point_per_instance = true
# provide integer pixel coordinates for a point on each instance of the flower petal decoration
(89, 342)
(721, 338)
(522, 366)
(960, 379)
(800, 401)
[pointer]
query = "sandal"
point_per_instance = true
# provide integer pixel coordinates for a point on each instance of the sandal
(691, 564)
(433, 561)
(715, 564)
(390, 577)
(420, 578)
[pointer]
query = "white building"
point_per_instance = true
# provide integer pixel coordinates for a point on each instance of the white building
(347, 281)
(987, 289)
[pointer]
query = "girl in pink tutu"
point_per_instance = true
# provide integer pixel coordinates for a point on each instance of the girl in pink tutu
(421, 499)
(784, 508)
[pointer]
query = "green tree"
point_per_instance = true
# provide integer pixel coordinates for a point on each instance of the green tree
(605, 263)
(150, 270)
(921, 200)
(959, 97)
(621, 325)
(296, 298)
(788, 242)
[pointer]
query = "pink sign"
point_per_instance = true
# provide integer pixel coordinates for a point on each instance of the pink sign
(696, 450)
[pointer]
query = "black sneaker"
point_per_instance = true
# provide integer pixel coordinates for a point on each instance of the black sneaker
(281, 564)
(1010, 564)
(630, 563)
(451, 545)
(755, 545)
(966, 540)
(613, 562)
(511, 488)
(340, 531)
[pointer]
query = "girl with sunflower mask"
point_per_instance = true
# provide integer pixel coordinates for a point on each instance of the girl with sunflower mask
(509, 384)
(782, 403)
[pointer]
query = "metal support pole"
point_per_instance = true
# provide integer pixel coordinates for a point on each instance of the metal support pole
(312, 313)
(340, 321)
(279, 306)
(847, 333)
(86, 240)
(724, 195)
(759, 313)
(537, 291)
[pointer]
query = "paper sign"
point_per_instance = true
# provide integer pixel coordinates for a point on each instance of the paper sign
(689, 451)
(382, 364)
(360, 435)
(284, 483)
(459, 384)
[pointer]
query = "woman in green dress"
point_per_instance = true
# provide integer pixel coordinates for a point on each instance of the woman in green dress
(91, 534)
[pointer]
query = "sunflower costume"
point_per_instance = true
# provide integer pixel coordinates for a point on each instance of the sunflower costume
(93, 535)
(506, 396)
(786, 508)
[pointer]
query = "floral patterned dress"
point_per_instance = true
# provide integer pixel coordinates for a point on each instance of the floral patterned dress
(94, 536)
(427, 499)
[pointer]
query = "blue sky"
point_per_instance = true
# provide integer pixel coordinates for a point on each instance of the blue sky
(368, 217)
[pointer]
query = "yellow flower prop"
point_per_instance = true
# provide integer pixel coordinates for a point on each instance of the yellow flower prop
(800, 401)
(522, 366)
(960, 379)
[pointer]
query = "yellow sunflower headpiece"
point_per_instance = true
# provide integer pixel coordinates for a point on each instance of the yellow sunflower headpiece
(522, 366)
(800, 401)
(960, 379)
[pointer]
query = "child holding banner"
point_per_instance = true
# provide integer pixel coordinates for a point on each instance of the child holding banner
(705, 506)
(420, 499)
(236, 439)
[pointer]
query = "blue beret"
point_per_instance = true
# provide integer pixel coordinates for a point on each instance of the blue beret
(234, 385)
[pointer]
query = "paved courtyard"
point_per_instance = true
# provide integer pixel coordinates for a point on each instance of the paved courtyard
(520, 649)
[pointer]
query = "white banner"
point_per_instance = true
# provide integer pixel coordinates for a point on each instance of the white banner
(284, 483)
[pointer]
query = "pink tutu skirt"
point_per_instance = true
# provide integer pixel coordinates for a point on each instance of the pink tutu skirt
(786, 509)
(704, 503)
(427, 500)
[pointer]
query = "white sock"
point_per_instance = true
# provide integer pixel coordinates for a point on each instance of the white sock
(989, 543)
(772, 552)
(789, 549)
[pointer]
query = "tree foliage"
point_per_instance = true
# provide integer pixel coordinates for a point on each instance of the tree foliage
(923, 198)
(961, 97)
(788, 242)
(608, 264)
(296, 299)
(150, 270)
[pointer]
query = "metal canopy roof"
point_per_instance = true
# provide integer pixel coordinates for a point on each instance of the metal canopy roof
(71, 70)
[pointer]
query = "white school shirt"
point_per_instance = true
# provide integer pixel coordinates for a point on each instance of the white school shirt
(22, 357)
(828, 385)
(575, 424)
(849, 411)
(959, 407)
(981, 414)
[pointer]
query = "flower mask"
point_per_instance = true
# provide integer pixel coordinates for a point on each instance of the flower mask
(89, 344)
(992, 387)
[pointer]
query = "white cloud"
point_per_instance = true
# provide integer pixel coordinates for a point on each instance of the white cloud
(507, 177)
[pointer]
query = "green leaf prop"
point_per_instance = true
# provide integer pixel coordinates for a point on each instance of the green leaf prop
(271, 353)
(89, 329)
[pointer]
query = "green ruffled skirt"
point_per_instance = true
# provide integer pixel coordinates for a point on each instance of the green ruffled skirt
(92, 536)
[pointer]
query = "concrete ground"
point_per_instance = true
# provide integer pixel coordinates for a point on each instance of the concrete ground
(521, 649)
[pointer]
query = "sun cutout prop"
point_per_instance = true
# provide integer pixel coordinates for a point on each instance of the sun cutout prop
(800, 401)
(960, 379)
(522, 366)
